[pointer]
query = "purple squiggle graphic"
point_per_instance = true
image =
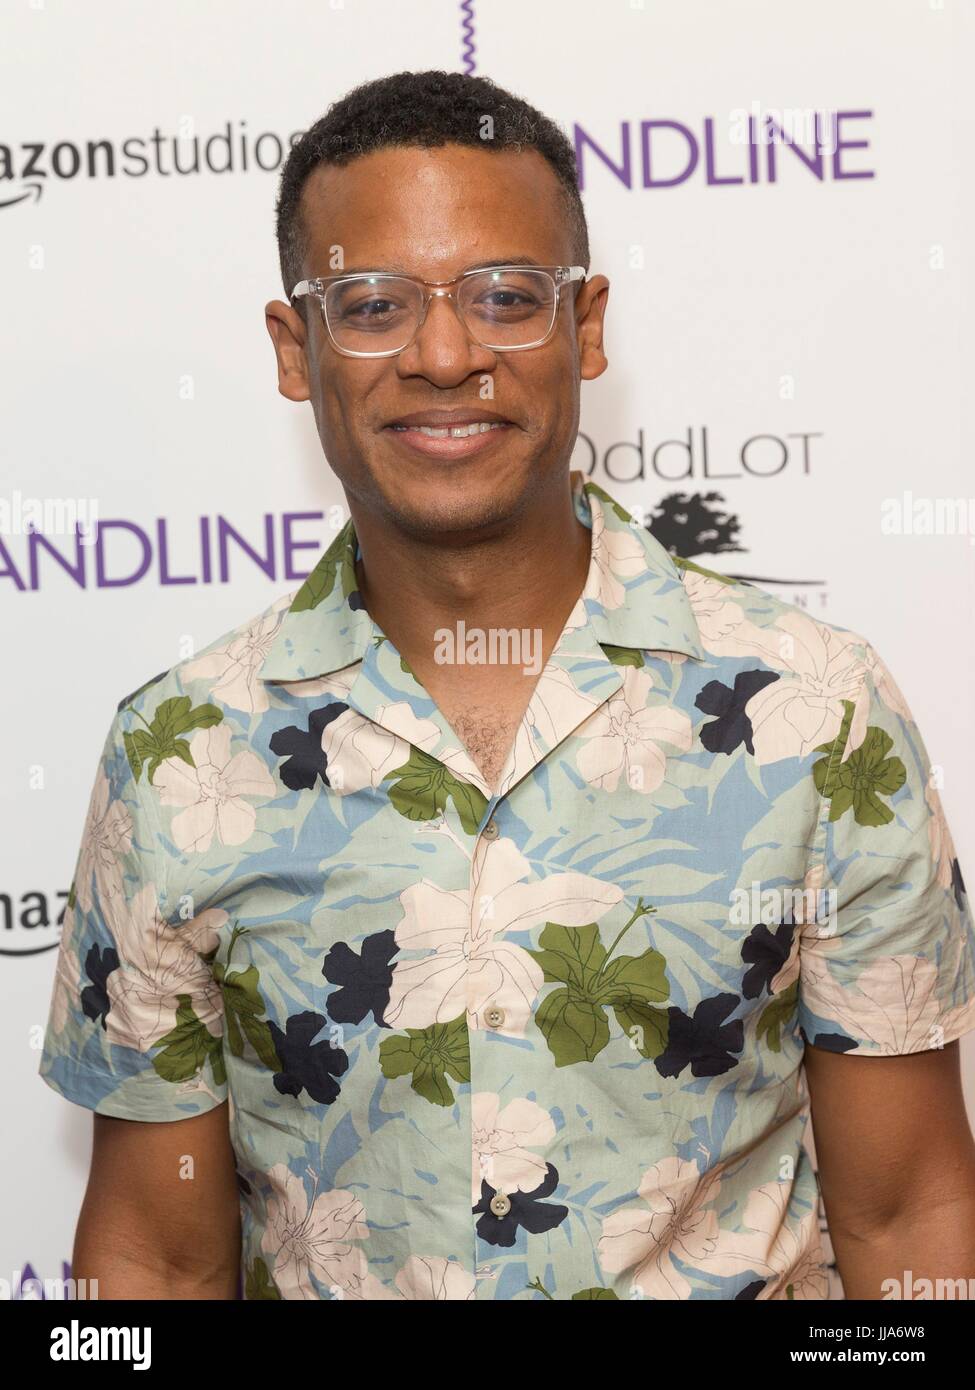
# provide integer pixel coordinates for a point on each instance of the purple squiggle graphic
(467, 35)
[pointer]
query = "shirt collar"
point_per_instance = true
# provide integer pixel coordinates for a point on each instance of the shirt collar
(633, 596)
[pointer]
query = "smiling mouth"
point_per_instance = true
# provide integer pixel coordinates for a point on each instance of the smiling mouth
(456, 432)
(448, 443)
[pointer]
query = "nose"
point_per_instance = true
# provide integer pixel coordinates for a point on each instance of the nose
(442, 349)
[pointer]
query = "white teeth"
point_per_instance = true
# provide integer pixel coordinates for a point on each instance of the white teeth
(461, 432)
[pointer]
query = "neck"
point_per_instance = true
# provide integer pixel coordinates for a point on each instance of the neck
(527, 574)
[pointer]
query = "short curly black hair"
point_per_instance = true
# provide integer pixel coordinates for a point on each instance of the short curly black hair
(425, 109)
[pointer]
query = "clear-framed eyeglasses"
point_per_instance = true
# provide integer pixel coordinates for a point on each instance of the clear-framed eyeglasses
(506, 308)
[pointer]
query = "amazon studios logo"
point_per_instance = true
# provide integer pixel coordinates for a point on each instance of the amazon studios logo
(25, 169)
(667, 152)
(28, 922)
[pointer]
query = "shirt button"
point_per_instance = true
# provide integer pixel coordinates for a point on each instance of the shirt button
(494, 1016)
(500, 1204)
(491, 831)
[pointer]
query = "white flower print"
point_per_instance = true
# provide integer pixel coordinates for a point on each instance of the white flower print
(232, 670)
(793, 715)
(682, 1224)
(555, 709)
(616, 556)
(790, 1257)
(160, 962)
(107, 835)
(318, 1238)
(892, 1003)
(625, 736)
(213, 792)
(433, 1279)
(724, 629)
(884, 683)
(502, 1142)
(819, 668)
(361, 754)
(470, 964)
(676, 1223)
(811, 915)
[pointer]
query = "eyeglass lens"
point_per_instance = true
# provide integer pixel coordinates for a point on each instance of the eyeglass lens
(381, 313)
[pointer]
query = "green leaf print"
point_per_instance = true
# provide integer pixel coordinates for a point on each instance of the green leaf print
(631, 979)
(187, 1046)
(862, 778)
(573, 1019)
(404, 665)
(429, 1056)
(242, 1003)
(647, 1028)
(423, 786)
(336, 563)
(623, 656)
(699, 569)
(776, 1015)
(595, 1295)
(162, 738)
(576, 1029)
(258, 1282)
(610, 502)
(570, 955)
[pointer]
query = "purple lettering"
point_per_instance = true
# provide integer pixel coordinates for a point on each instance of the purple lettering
(77, 570)
(164, 576)
(292, 545)
(103, 528)
(622, 172)
(694, 153)
(841, 145)
(8, 570)
(712, 178)
(265, 563)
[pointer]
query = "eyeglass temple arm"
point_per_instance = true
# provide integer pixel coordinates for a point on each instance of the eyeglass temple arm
(305, 287)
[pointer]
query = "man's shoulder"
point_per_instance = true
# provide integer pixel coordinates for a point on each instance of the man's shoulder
(224, 673)
(723, 603)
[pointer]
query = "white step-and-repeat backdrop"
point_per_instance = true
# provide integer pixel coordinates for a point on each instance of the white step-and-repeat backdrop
(789, 340)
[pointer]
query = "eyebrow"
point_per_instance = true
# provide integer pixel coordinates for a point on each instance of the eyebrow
(394, 269)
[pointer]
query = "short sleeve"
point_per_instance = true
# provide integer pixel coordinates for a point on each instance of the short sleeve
(888, 966)
(135, 1022)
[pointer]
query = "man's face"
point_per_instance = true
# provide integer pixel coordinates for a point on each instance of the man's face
(435, 213)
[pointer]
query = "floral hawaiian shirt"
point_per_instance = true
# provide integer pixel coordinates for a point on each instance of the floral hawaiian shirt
(543, 1042)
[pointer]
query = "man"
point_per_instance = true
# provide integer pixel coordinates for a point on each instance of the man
(463, 924)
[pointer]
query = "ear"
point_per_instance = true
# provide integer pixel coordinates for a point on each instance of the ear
(289, 336)
(590, 307)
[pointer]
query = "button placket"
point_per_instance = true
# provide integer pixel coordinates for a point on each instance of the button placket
(491, 1017)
